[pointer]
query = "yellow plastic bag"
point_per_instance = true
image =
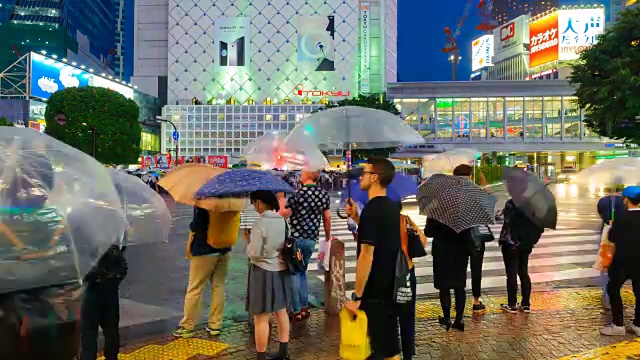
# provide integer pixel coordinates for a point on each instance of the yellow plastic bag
(354, 341)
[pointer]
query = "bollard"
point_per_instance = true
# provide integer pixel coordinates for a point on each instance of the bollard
(334, 281)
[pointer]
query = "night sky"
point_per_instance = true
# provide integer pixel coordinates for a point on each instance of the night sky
(421, 37)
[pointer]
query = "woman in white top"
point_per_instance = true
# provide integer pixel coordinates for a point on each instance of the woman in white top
(270, 284)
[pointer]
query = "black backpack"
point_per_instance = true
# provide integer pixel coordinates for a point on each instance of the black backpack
(291, 253)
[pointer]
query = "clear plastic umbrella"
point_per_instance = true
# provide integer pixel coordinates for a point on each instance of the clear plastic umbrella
(620, 171)
(445, 162)
(274, 153)
(147, 213)
(59, 211)
(354, 127)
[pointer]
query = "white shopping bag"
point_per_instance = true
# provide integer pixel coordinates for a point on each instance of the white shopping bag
(323, 255)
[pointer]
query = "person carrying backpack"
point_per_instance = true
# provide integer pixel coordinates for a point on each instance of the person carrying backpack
(517, 238)
(101, 304)
(212, 235)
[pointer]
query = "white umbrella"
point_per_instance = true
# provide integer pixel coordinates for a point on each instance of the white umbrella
(59, 211)
(445, 162)
(353, 126)
(619, 171)
(273, 152)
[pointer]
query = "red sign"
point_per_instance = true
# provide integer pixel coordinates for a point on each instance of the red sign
(543, 34)
(508, 31)
(300, 91)
(221, 161)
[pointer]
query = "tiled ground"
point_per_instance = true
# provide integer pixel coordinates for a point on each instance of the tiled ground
(564, 323)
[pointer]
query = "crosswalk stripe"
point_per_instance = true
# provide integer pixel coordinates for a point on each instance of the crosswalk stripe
(544, 240)
(568, 249)
(488, 254)
(577, 259)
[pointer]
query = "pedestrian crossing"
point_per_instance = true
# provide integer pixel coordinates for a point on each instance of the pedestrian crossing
(565, 254)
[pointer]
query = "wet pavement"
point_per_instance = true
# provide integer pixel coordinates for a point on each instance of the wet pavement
(153, 292)
(563, 324)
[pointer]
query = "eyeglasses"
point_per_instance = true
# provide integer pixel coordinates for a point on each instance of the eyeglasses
(362, 174)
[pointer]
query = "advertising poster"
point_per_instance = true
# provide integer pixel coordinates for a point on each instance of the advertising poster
(147, 162)
(579, 29)
(163, 162)
(481, 52)
(316, 48)
(49, 76)
(221, 161)
(231, 40)
(544, 40)
(365, 48)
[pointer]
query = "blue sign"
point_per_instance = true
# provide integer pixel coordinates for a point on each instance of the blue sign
(176, 136)
(49, 76)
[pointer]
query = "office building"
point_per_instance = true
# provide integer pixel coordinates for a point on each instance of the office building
(123, 51)
(80, 31)
(507, 10)
(261, 66)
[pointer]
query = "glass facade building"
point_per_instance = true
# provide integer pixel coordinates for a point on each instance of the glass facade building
(56, 26)
(226, 130)
(507, 10)
(492, 111)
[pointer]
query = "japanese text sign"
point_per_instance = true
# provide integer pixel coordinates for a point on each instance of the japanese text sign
(579, 30)
(544, 40)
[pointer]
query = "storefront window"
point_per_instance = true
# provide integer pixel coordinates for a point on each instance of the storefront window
(479, 117)
(461, 113)
(445, 115)
(533, 113)
(426, 112)
(571, 117)
(150, 143)
(515, 108)
(410, 112)
(553, 111)
(496, 117)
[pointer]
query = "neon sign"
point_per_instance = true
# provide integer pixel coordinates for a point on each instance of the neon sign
(300, 91)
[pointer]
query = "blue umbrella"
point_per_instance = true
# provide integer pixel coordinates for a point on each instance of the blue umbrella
(239, 182)
(401, 187)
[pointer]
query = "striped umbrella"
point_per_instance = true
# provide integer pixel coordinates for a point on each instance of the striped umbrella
(456, 202)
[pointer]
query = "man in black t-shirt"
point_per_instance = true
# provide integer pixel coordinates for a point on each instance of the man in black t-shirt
(378, 246)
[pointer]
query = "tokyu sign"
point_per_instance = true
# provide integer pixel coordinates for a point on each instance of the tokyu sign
(299, 90)
(365, 47)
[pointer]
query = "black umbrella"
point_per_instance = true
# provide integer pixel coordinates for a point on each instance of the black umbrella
(531, 195)
(456, 202)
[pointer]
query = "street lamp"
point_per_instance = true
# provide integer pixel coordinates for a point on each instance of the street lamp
(62, 120)
(175, 129)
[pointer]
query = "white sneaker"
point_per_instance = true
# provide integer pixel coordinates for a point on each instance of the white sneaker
(635, 329)
(612, 330)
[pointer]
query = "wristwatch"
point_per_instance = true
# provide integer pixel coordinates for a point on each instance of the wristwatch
(355, 297)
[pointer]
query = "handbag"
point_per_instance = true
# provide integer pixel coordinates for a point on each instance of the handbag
(478, 235)
(415, 248)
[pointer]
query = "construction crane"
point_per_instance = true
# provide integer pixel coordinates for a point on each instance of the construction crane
(486, 21)
(486, 24)
(108, 60)
(452, 47)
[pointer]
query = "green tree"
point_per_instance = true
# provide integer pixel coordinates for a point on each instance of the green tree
(5, 122)
(113, 116)
(373, 101)
(608, 80)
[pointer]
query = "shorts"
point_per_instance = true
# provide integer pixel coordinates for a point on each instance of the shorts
(384, 336)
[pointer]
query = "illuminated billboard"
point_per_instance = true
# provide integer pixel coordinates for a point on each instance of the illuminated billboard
(544, 40)
(579, 29)
(510, 38)
(49, 75)
(482, 52)
(232, 38)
